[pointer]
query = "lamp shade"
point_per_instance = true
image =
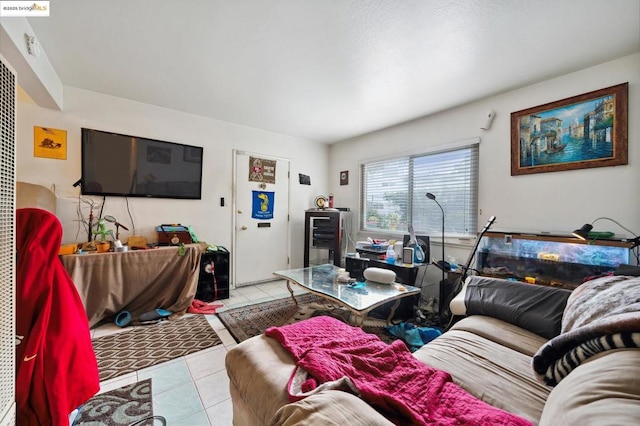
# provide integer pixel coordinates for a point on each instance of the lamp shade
(583, 232)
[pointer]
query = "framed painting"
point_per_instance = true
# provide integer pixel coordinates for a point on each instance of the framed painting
(584, 131)
(49, 143)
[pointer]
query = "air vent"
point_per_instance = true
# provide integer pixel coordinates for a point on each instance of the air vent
(7, 242)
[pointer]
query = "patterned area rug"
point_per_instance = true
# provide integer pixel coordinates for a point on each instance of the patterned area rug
(122, 406)
(145, 346)
(252, 320)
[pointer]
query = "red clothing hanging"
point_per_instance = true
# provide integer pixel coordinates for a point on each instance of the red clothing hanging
(56, 368)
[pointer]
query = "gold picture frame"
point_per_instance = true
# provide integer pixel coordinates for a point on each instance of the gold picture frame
(49, 143)
(584, 131)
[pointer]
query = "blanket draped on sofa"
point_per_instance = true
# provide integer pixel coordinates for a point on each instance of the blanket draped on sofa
(388, 377)
(601, 315)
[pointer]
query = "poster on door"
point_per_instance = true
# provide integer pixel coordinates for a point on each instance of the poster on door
(262, 205)
(261, 170)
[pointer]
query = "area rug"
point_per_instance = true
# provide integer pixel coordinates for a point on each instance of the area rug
(144, 346)
(123, 406)
(252, 320)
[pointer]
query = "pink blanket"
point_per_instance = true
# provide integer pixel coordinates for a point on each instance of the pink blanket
(388, 377)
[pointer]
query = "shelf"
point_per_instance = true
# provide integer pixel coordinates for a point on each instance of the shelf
(324, 231)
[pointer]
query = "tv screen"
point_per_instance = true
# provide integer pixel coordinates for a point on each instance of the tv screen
(131, 166)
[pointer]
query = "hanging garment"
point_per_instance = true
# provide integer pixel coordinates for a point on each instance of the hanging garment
(56, 368)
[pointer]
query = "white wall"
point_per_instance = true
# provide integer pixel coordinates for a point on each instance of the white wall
(211, 222)
(557, 201)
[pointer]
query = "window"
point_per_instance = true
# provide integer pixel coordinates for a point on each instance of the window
(393, 192)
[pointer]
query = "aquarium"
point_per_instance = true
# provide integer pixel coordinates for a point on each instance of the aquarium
(559, 261)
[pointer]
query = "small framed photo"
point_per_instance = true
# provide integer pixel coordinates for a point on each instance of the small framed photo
(344, 177)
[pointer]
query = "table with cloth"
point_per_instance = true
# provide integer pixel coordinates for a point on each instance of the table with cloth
(137, 281)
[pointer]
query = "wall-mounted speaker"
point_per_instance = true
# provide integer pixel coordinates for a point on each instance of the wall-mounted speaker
(488, 119)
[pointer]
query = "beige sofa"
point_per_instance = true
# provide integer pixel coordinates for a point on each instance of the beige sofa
(489, 356)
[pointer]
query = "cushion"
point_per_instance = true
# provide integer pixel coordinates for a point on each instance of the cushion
(330, 407)
(503, 333)
(601, 315)
(609, 392)
(496, 374)
(259, 369)
(533, 307)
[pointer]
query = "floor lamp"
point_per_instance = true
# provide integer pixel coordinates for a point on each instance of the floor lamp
(442, 264)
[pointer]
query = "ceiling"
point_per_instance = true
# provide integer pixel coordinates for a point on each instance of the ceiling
(327, 70)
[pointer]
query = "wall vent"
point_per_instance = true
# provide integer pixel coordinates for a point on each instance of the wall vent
(7, 242)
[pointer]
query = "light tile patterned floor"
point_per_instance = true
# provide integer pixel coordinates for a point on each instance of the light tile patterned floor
(194, 390)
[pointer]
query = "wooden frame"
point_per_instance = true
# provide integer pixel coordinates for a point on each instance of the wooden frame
(344, 177)
(584, 131)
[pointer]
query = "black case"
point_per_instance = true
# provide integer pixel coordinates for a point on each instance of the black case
(213, 286)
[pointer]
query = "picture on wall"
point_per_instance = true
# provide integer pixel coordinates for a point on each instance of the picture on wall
(344, 177)
(49, 143)
(262, 170)
(589, 130)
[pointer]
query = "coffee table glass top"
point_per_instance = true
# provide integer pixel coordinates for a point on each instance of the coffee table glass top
(322, 280)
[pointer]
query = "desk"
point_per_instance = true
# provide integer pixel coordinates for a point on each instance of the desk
(405, 273)
(137, 281)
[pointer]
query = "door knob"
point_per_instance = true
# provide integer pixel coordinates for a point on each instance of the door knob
(239, 211)
(244, 228)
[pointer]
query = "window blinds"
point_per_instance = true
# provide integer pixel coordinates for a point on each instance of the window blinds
(393, 192)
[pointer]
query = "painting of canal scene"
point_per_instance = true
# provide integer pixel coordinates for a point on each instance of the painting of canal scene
(589, 130)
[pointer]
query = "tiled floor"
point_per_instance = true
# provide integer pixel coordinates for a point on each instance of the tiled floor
(194, 390)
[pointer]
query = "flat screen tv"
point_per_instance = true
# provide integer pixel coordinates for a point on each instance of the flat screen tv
(132, 166)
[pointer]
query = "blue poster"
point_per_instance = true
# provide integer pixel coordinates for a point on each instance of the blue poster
(262, 205)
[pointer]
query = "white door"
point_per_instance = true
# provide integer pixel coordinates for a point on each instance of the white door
(260, 243)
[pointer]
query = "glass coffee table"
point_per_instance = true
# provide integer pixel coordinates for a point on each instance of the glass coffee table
(359, 299)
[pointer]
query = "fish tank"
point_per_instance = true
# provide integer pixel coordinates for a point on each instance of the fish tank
(554, 260)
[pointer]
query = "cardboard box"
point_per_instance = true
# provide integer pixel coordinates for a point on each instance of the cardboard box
(137, 241)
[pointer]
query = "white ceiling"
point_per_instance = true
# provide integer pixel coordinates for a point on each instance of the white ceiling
(327, 70)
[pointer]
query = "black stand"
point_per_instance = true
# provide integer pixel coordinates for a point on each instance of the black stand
(445, 314)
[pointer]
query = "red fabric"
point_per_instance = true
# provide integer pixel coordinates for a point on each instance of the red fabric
(387, 376)
(56, 368)
(200, 307)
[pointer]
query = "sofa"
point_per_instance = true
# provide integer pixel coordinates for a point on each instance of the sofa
(546, 355)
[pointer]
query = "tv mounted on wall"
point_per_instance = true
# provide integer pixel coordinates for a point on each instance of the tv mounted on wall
(132, 166)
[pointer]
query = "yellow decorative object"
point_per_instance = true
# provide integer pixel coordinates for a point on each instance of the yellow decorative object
(68, 249)
(137, 241)
(49, 143)
(549, 256)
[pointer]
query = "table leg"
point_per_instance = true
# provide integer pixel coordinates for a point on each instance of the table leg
(393, 311)
(291, 291)
(358, 319)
